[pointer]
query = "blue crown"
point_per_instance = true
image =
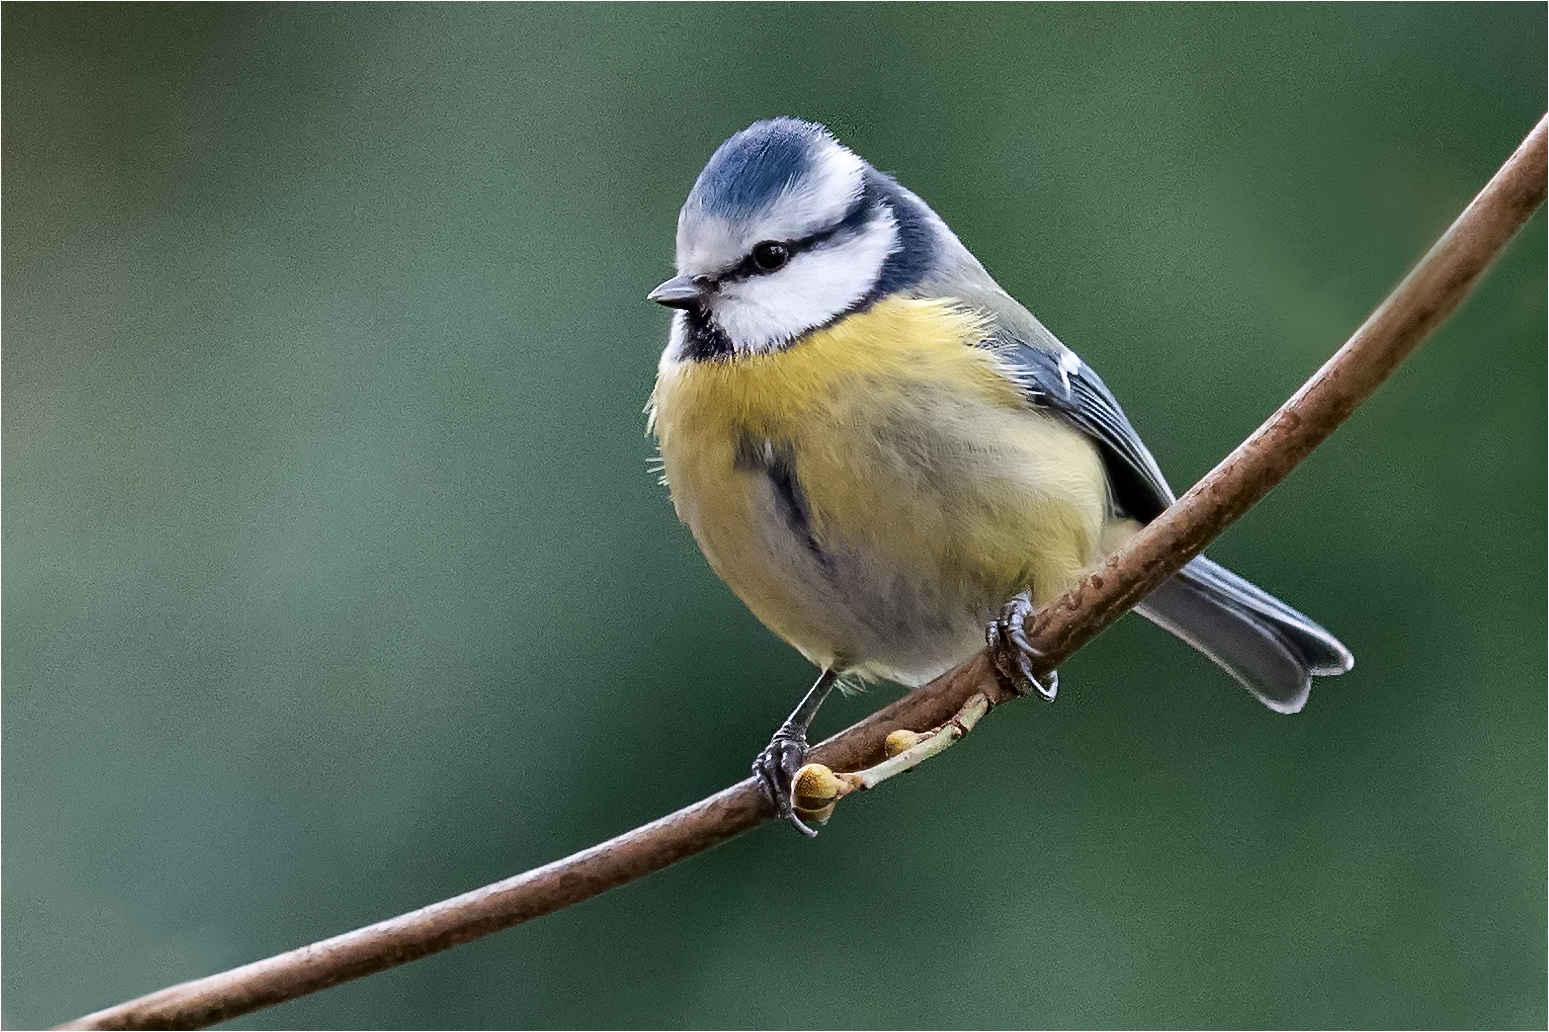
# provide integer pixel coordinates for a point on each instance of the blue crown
(750, 170)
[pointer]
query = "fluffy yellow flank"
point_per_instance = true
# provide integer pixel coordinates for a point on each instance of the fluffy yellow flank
(912, 451)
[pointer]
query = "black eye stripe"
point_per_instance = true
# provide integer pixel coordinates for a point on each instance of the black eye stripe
(859, 214)
(750, 266)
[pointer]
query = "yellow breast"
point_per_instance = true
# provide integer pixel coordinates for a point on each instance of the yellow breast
(922, 490)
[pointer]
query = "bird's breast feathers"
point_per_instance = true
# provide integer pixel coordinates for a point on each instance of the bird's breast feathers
(877, 489)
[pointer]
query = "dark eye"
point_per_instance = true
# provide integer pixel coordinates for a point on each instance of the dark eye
(769, 255)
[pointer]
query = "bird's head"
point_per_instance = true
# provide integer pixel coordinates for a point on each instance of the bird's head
(785, 230)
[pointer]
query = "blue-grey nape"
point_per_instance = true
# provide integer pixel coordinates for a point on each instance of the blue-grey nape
(750, 169)
(917, 253)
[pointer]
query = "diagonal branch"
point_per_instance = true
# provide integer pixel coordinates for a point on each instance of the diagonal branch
(1426, 297)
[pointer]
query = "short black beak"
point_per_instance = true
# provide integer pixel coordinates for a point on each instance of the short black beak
(678, 292)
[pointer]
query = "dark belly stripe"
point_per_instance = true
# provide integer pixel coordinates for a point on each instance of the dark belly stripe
(779, 465)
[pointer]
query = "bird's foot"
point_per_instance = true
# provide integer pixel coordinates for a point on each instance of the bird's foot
(776, 767)
(1015, 656)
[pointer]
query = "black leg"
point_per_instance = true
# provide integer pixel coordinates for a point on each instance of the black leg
(777, 765)
(1014, 654)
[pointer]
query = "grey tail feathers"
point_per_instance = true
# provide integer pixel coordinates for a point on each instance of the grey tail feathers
(1258, 639)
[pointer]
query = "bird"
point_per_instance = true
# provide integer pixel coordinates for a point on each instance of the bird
(890, 460)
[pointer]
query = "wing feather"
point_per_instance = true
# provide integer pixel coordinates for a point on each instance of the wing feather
(1056, 380)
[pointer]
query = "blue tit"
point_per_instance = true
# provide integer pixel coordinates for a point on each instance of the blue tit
(888, 458)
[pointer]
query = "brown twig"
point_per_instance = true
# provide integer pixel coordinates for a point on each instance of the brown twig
(1427, 296)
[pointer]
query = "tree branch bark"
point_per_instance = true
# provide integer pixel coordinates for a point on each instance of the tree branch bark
(1426, 297)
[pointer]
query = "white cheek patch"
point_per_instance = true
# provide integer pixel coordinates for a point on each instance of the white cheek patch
(762, 312)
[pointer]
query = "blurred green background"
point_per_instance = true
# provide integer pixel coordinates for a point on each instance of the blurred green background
(336, 582)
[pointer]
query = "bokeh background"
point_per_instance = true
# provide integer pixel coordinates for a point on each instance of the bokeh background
(336, 583)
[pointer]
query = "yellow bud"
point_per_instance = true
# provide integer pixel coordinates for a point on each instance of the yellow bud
(901, 741)
(814, 787)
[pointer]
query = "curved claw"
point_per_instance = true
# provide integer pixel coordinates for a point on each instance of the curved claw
(776, 767)
(1014, 653)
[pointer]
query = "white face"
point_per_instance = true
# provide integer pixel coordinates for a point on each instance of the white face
(764, 310)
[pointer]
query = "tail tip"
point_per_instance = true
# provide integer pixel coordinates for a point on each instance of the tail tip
(1339, 661)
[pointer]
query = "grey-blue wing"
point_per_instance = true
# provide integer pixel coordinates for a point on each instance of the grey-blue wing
(1060, 382)
(1270, 648)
